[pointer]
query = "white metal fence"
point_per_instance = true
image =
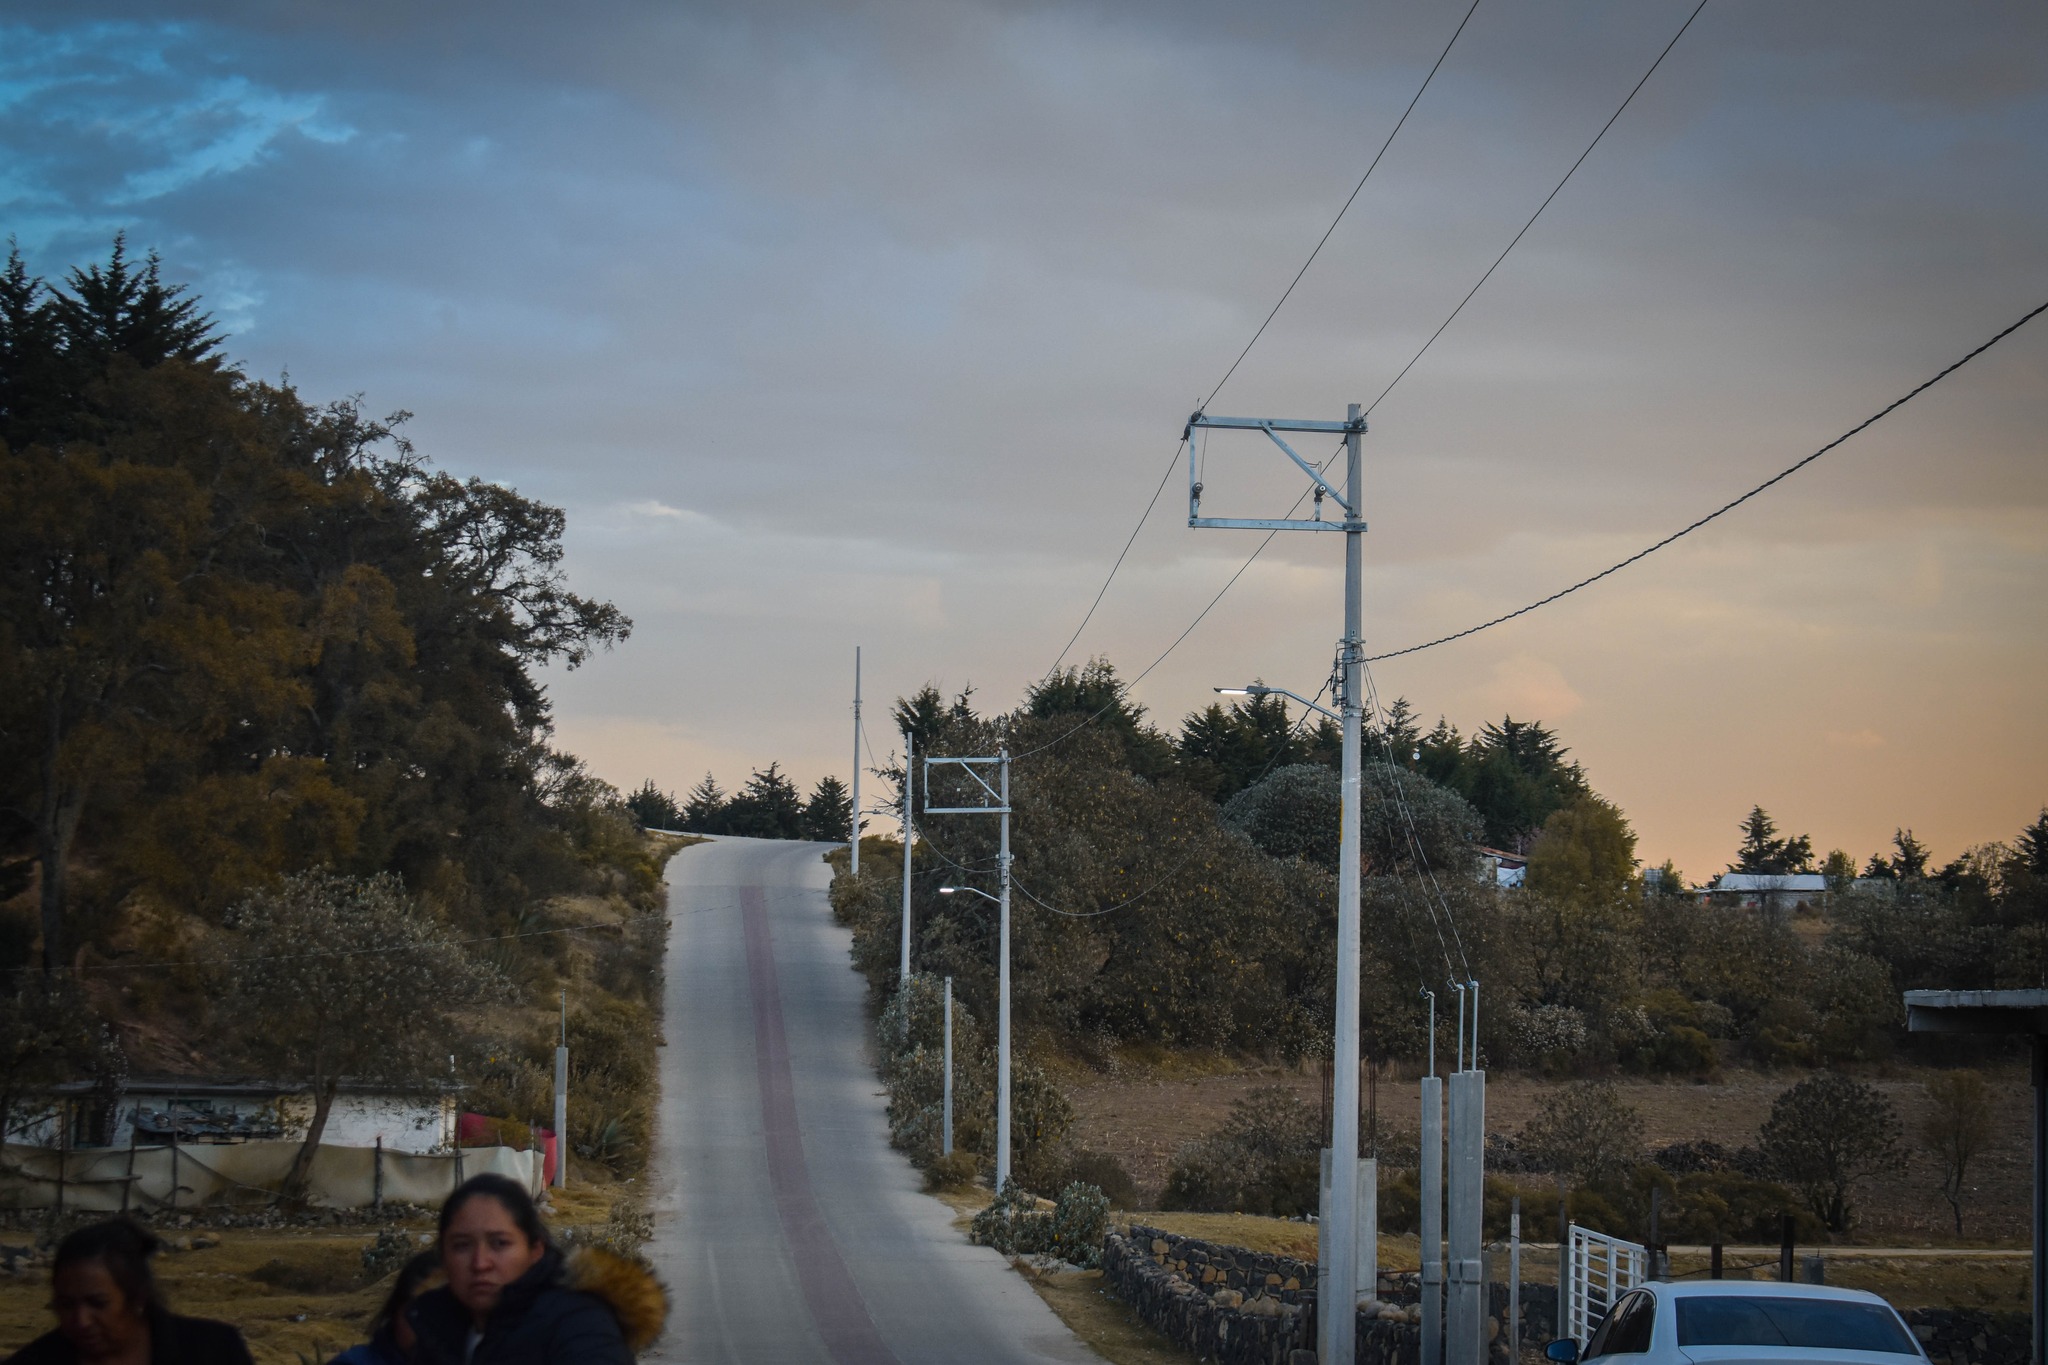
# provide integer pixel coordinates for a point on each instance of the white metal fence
(1601, 1270)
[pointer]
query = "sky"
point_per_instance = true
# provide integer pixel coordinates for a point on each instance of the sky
(877, 324)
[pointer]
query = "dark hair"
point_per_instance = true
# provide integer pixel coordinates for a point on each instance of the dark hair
(506, 1191)
(124, 1247)
(404, 1289)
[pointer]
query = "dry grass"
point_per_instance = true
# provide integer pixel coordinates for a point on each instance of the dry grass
(295, 1294)
(298, 1294)
(1102, 1321)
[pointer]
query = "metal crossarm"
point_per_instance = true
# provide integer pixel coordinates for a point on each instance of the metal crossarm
(1272, 427)
(966, 765)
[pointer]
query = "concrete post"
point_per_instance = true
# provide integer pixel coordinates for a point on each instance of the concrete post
(1431, 1180)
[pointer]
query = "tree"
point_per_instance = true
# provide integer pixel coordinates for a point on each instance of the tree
(1093, 692)
(1295, 812)
(1516, 775)
(704, 808)
(330, 977)
(1586, 852)
(1909, 857)
(1764, 851)
(1826, 1134)
(1586, 1132)
(1225, 749)
(1956, 1129)
(654, 808)
(828, 814)
(767, 807)
(1839, 867)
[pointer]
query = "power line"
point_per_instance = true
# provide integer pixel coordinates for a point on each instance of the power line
(1540, 207)
(1106, 707)
(1285, 294)
(1726, 507)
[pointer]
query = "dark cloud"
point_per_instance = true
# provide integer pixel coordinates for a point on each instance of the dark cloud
(879, 321)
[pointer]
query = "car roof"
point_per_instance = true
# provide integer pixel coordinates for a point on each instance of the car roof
(1703, 1289)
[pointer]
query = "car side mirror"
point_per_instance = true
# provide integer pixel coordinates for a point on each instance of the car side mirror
(1564, 1351)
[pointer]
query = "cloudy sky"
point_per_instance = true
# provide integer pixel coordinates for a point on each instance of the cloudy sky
(877, 324)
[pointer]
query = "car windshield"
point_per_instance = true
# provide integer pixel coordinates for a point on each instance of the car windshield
(1825, 1324)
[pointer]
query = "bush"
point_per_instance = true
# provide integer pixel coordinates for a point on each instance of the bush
(1825, 1135)
(1585, 1132)
(390, 1249)
(1016, 1224)
(1105, 1173)
(956, 1170)
(1265, 1159)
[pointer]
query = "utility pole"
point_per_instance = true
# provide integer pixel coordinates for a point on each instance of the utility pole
(909, 786)
(1339, 1234)
(1000, 795)
(562, 1100)
(946, 1122)
(853, 856)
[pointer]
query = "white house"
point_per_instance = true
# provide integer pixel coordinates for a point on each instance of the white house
(149, 1110)
(1502, 867)
(1767, 890)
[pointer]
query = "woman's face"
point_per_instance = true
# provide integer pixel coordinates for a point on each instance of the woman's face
(92, 1312)
(482, 1251)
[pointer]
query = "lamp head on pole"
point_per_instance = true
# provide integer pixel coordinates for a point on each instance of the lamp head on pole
(1254, 690)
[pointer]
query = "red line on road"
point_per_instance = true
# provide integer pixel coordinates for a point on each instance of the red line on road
(835, 1303)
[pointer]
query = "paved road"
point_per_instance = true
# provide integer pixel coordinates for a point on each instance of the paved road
(785, 1226)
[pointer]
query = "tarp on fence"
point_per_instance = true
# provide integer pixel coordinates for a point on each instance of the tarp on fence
(243, 1174)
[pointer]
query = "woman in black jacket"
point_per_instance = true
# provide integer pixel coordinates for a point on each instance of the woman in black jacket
(108, 1312)
(513, 1299)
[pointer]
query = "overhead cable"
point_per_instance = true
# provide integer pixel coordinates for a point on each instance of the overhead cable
(1726, 507)
(1285, 294)
(1540, 207)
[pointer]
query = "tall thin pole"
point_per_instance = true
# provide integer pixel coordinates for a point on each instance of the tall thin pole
(853, 836)
(1340, 1242)
(562, 1100)
(946, 1126)
(1003, 989)
(2040, 1200)
(909, 787)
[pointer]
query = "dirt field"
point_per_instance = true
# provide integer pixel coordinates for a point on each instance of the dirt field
(1147, 1110)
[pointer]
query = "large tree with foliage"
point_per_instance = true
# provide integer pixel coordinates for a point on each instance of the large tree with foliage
(241, 636)
(1825, 1135)
(1587, 852)
(328, 978)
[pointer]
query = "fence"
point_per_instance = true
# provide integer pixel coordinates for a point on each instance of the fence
(243, 1174)
(1602, 1269)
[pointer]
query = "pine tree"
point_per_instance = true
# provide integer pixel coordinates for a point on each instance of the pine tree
(1765, 853)
(704, 808)
(828, 815)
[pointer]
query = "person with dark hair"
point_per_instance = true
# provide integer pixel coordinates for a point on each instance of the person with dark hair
(391, 1338)
(513, 1298)
(109, 1313)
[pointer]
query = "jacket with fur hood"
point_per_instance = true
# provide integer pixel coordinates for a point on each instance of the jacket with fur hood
(591, 1307)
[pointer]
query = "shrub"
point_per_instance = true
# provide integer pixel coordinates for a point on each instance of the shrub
(1585, 1132)
(1265, 1159)
(1105, 1173)
(390, 1249)
(953, 1171)
(1078, 1220)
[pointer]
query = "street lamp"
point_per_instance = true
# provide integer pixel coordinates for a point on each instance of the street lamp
(952, 890)
(1261, 690)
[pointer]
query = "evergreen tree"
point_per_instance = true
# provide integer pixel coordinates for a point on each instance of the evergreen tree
(1095, 694)
(2031, 847)
(1516, 775)
(1764, 851)
(828, 814)
(768, 806)
(654, 808)
(1909, 857)
(704, 808)
(1223, 750)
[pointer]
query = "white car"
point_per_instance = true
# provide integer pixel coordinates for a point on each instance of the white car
(1737, 1322)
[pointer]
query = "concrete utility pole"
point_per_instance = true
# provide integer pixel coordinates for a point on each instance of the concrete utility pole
(946, 1122)
(909, 787)
(1000, 795)
(562, 1100)
(853, 856)
(1339, 1234)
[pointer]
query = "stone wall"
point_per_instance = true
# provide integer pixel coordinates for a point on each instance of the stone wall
(1963, 1336)
(1241, 1307)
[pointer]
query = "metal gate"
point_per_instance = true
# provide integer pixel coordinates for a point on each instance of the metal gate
(1602, 1269)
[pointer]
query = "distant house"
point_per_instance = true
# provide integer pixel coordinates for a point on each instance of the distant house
(152, 1110)
(1506, 869)
(1767, 890)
